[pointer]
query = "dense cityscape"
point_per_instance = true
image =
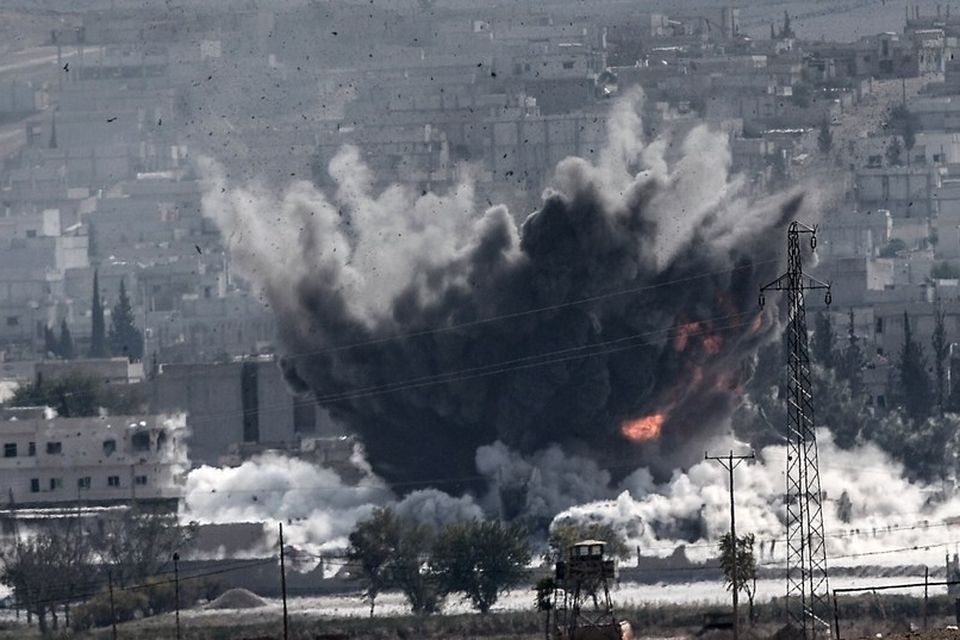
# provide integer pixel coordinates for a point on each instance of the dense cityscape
(400, 309)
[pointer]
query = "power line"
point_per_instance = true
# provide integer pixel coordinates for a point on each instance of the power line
(524, 313)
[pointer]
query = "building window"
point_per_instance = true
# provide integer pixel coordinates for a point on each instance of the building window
(109, 446)
(878, 326)
(56, 483)
(113, 481)
(140, 441)
(34, 485)
(568, 64)
(54, 448)
(10, 450)
(83, 483)
(31, 449)
(13, 321)
(140, 480)
(31, 233)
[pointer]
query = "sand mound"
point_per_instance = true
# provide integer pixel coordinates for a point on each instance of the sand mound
(237, 599)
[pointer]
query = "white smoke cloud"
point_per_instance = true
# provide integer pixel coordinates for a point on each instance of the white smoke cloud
(693, 507)
(373, 245)
(370, 244)
(318, 508)
(550, 480)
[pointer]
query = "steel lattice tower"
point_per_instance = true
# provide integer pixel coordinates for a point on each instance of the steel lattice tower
(807, 587)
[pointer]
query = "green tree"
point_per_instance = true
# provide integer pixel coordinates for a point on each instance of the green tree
(140, 543)
(914, 382)
(65, 343)
(845, 508)
(78, 395)
(906, 124)
(941, 350)
(787, 31)
(412, 572)
(125, 338)
(738, 562)
(892, 248)
(48, 569)
(894, 152)
(920, 445)
(944, 270)
(844, 413)
(824, 342)
(853, 361)
(98, 335)
(373, 546)
(567, 532)
(481, 559)
(802, 95)
(825, 137)
(50, 345)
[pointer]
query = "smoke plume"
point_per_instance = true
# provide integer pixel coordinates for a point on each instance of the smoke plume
(870, 509)
(615, 322)
(317, 506)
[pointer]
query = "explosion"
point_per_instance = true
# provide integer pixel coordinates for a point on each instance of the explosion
(643, 429)
(431, 327)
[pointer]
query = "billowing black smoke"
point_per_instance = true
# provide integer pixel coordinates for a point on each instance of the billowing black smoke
(431, 329)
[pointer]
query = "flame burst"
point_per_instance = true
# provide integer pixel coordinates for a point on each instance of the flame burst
(643, 429)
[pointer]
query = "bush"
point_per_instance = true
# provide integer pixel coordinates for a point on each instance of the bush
(892, 248)
(95, 612)
(945, 271)
(162, 596)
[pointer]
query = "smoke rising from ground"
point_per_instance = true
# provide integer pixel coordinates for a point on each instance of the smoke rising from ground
(318, 508)
(347, 272)
(693, 508)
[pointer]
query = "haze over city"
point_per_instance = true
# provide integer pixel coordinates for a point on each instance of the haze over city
(498, 319)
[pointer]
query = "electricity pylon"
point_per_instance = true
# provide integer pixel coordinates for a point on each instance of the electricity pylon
(807, 586)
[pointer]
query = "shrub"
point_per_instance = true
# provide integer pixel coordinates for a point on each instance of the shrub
(95, 612)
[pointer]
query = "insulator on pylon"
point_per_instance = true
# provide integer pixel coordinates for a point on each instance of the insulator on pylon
(762, 301)
(828, 298)
(813, 241)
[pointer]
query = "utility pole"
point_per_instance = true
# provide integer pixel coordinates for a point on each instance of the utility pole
(113, 607)
(176, 586)
(283, 584)
(808, 589)
(731, 462)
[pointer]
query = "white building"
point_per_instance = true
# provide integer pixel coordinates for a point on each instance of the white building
(94, 460)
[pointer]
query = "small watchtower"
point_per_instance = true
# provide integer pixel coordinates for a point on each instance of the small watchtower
(582, 609)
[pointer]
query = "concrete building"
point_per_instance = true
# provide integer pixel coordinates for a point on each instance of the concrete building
(237, 403)
(904, 191)
(97, 461)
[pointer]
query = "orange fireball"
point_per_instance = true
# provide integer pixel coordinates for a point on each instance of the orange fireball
(643, 429)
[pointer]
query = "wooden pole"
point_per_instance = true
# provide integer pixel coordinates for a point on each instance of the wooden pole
(113, 607)
(730, 462)
(283, 585)
(176, 584)
(836, 617)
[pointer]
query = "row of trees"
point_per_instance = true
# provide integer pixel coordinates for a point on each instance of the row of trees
(122, 339)
(69, 560)
(79, 395)
(917, 424)
(479, 559)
